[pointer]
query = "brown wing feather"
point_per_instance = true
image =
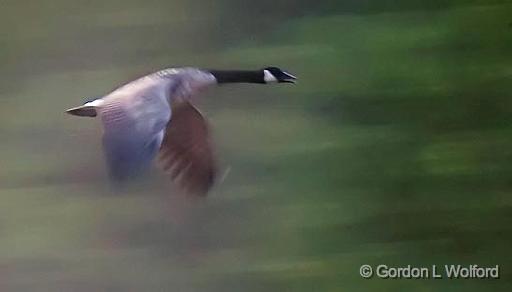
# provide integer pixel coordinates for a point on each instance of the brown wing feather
(186, 152)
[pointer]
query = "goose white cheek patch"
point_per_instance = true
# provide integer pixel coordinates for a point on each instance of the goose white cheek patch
(268, 77)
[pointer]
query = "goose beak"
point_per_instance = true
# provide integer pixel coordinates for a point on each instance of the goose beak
(289, 78)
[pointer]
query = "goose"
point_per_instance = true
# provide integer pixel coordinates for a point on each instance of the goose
(153, 118)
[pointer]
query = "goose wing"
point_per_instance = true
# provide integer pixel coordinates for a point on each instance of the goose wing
(186, 152)
(132, 133)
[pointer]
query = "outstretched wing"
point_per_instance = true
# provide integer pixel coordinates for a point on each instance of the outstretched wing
(131, 144)
(186, 152)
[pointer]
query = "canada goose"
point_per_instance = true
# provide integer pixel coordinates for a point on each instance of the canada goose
(152, 116)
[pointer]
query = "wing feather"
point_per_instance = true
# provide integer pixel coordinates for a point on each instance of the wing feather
(186, 152)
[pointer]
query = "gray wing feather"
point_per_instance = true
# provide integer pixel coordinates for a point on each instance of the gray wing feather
(128, 156)
(133, 132)
(136, 115)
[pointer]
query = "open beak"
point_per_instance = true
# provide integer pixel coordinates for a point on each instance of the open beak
(289, 78)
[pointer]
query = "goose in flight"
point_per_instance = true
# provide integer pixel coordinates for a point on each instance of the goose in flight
(153, 118)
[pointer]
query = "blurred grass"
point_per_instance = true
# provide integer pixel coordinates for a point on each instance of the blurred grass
(393, 148)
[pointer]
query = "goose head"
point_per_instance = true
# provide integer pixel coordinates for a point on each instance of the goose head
(275, 74)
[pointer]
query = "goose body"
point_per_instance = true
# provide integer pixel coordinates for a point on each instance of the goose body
(153, 117)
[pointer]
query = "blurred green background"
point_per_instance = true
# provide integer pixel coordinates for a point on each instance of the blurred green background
(394, 148)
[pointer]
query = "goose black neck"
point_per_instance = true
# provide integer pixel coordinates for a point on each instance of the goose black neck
(238, 76)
